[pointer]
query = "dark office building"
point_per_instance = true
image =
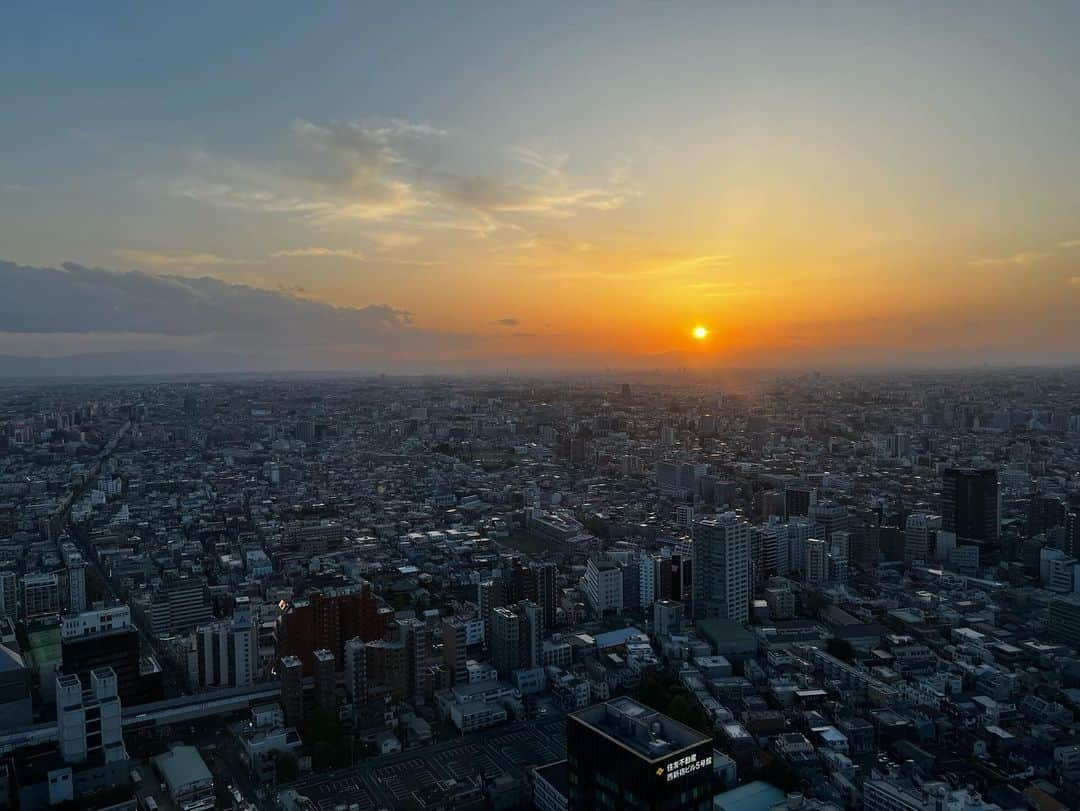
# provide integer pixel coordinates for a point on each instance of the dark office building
(521, 584)
(138, 679)
(1044, 514)
(674, 580)
(622, 754)
(797, 501)
(546, 588)
(969, 505)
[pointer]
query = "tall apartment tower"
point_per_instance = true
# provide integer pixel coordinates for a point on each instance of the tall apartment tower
(969, 505)
(88, 721)
(775, 550)
(228, 651)
(291, 672)
(417, 638)
(325, 682)
(454, 644)
(546, 582)
(76, 580)
(356, 670)
(817, 561)
(721, 570)
(516, 635)
(490, 594)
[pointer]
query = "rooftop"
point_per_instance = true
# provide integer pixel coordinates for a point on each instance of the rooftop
(182, 766)
(643, 730)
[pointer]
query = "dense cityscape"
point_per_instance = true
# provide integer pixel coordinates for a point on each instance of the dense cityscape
(802, 591)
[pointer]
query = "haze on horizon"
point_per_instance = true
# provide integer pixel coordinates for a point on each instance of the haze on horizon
(268, 186)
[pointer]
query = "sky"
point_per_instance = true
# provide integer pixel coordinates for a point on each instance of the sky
(540, 186)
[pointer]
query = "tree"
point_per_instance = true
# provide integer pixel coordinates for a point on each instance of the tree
(327, 740)
(286, 767)
(840, 648)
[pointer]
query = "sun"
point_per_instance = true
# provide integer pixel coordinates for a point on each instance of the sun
(700, 333)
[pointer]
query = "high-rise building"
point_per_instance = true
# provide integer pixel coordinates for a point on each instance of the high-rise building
(547, 576)
(455, 640)
(179, 606)
(89, 722)
(1045, 513)
(41, 595)
(106, 638)
(356, 670)
(622, 754)
(516, 637)
(1064, 619)
(1072, 534)
(228, 651)
(917, 538)
(325, 682)
(970, 505)
(798, 532)
(76, 580)
(817, 561)
(631, 585)
(386, 666)
(490, 594)
(775, 550)
(417, 640)
(721, 573)
(9, 599)
(667, 617)
(521, 582)
(604, 586)
(291, 673)
(327, 621)
(798, 500)
(827, 517)
(675, 578)
(648, 568)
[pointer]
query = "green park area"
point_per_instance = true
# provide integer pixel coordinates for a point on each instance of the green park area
(529, 544)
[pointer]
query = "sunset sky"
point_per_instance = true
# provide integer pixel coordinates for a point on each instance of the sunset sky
(542, 186)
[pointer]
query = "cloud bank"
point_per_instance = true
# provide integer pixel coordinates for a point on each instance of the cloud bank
(78, 299)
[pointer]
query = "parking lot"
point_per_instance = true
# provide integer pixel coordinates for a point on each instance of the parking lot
(389, 781)
(342, 789)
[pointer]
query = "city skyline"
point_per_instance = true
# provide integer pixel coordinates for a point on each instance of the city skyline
(539, 190)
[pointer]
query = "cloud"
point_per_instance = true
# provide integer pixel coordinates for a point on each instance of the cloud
(509, 321)
(78, 299)
(341, 253)
(1021, 259)
(183, 259)
(1069, 243)
(392, 240)
(396, 172)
